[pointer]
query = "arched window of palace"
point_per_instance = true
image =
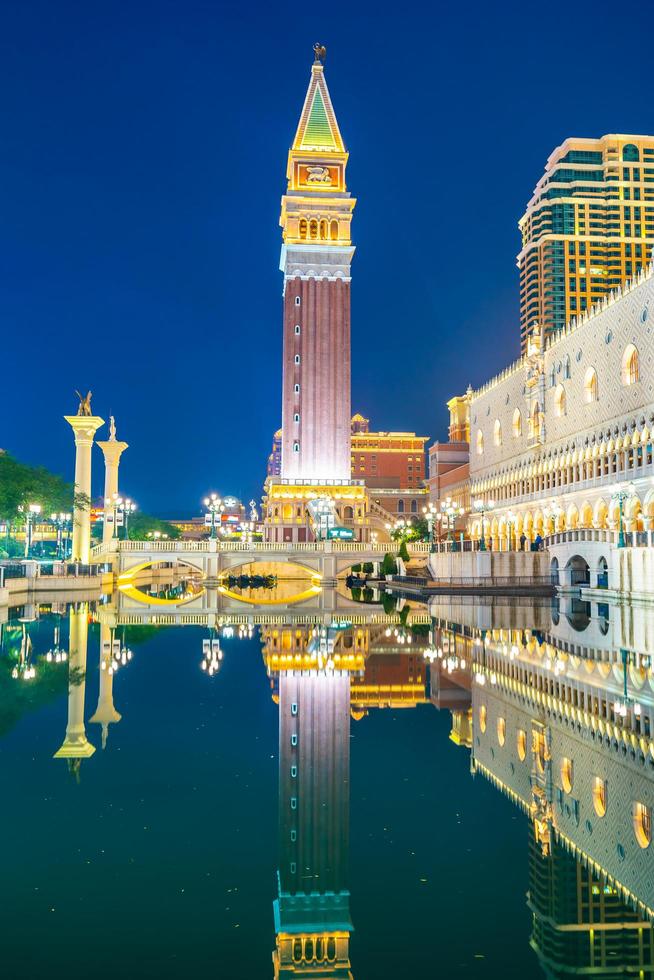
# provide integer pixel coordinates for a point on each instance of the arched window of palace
(480, 442)
(517, 423)
(599, 796)
(630, 365)
(559, 401)
(414, 506)
(522, 744)
(497, 433)
(590, 385)
(333, 231)
(501, 730)
(303, 227)
(482, 717)
(566, 366)
(643, 824)
(313, 228)
(400, 506)
(323, 229)
(566, 775)
(630, 153)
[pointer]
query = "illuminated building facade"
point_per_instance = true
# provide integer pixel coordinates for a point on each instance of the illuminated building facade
(560, 433)
(588, 228)
(387, 459)
(316, 256)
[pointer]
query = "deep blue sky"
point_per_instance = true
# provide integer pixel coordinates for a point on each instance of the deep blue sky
(142, 158)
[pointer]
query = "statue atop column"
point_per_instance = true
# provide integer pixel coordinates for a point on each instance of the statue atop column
(84, 403)
(112, 428)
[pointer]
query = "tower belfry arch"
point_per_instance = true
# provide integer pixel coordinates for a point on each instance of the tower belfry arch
(316, 258)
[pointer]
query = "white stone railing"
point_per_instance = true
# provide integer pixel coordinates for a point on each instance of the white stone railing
(213, 546)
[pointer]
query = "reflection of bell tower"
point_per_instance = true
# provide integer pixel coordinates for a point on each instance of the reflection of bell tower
(316, 255)
(312, 910)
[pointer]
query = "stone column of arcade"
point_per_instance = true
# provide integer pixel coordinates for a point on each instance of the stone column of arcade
(105, 713)
(84, 427)
(112, 450)
(75, 745)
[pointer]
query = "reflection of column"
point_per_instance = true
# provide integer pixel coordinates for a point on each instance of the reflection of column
(112, 451)
(105, 713)
(84, 428)
(312, 913)
(75, 744)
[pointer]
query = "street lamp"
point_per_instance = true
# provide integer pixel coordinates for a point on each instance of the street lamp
(623, 494)
(450, 514)
(61, 522)
(430, 512)
(481, 506)
(31, 514)
(214, 506)
(125, 508)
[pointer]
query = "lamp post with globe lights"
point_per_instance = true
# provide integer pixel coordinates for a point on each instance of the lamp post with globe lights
(214, 507)
(621, 496)
(430, 512)
(481, 506)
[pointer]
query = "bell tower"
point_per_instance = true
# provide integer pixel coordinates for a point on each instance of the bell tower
(317, 250)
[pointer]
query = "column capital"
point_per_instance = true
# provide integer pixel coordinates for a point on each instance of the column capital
(84, 427)
(112, 449)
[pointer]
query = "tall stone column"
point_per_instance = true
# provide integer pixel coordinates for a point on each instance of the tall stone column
(75, 745)
(84, 428)
(112, 450)
(105, 713)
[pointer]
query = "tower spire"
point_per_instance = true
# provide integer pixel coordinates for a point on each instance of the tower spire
(318, 129)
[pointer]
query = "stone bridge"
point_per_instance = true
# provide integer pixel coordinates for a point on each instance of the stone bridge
(214, 557)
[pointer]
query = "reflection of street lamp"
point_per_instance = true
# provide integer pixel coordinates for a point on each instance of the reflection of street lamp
(430, 513)
(622, 494)
(212, 655)
(214, 506)
(481, 506)
(621, 705)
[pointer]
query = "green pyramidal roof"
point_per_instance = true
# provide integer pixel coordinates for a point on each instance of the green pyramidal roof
(318, 129)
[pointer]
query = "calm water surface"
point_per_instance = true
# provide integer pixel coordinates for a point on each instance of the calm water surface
(419, 795)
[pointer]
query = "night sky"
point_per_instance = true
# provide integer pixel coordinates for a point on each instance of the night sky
(143, 152)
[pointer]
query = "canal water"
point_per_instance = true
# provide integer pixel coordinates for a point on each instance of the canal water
(357, 786)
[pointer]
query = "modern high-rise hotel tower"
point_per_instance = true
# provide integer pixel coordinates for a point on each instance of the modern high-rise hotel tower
(588, 228)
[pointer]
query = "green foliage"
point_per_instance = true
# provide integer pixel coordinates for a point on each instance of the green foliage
(368, 567)
(368, 594)
(11, 548)
(140, 524)
(356, 594)
(356, 568)
(404, 551)
(18, 697)
(389, 603)
(388, 565)
(21, 484)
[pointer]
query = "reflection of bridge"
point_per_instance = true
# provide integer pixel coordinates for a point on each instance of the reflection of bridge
(213, 557)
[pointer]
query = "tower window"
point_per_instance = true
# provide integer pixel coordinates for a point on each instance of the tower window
(293, 772)
(298, 301)
(313, 229)
(296, 449)
(294, 704)
(294, 803)
(296, 389)
(323, 230)
(296, 417)
(333, 231)
(297, 329)
(297, 358)
(294, 835)
(303, 228)
(293, 739)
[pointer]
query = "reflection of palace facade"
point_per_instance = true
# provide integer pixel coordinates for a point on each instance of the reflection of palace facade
(561, 721)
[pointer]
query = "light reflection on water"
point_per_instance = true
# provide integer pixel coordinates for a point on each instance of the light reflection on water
(549, 706)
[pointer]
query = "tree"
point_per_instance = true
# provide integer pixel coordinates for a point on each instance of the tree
(388, 565)
(403, 553)
(141, 526)
(21, 485)
(368, 567)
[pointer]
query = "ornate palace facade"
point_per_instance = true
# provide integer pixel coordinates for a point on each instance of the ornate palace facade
(554, 436)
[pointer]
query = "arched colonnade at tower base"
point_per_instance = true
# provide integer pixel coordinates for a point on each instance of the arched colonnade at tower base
(504, 531)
